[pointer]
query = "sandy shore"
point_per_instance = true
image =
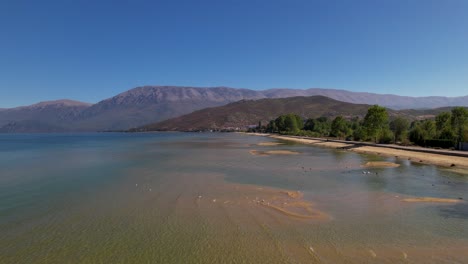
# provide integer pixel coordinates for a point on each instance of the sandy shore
(315, 142)
(420, 157)
(461, 163)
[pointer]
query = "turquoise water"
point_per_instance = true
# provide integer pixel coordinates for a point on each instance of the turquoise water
(195, 198)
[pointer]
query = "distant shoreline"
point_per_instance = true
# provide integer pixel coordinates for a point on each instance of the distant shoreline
(450, 159)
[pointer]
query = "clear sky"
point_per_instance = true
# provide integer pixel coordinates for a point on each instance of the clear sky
(90, 51)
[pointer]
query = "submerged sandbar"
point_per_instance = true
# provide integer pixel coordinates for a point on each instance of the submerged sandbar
(269, 144)
(431, 200)
(273, 152)
(380, 164)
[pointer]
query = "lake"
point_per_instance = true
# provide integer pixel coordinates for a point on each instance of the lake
(220, 198)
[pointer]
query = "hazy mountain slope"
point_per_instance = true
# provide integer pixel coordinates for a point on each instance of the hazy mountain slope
(249, 112)
(148, 104)
(143, 105)
(387, 100)
(50, 116)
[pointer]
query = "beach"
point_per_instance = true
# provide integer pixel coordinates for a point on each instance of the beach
(443, 159)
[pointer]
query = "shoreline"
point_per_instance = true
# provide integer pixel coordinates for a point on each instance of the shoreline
(441, 158)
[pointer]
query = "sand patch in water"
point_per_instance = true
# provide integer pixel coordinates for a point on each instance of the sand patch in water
(210, 197)
(292, 204)
(294, 194)
(463, 171)
(257, 153)
(431, 200)
(297, 209)
(380, 164)
(281, 152)
(269, 144)
(273, 152)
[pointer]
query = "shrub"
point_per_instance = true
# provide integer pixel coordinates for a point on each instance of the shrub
(439, 143)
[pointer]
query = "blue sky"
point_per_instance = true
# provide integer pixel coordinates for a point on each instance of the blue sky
(89, 51)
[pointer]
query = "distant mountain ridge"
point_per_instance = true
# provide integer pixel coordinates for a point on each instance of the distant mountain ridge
(57, 104)
(150, 104)
(48, 116)
(143, 105)
(396, 102)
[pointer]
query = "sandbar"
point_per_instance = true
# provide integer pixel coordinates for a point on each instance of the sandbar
(236, 198)
(380, 164)
(294, 194)
(269, 144)
(463, 171)
(292, 204)
(431, 200)
(273, 152)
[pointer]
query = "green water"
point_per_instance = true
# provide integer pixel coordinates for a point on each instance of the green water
(188, 198)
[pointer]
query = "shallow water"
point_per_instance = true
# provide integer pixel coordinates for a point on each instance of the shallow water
(204, 198)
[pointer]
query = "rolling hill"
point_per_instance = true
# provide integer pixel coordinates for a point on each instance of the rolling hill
(245, 113)
(249, 112)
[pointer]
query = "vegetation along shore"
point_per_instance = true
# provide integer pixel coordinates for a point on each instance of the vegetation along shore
(431, 141)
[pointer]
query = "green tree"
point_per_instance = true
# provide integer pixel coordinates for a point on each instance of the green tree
(290, 123)
(339, 127)
(429, 128)
(310, 124)
(416, 135)
(422, 131)
(443, 121)
(447, 133)
(299, 121)
(293, 123)
(271, 127)
(321, 126)
(355, 123)
(280, 124)
(375, 121)
(359, 134)
(459, 121)
(386, 136)
(399, 126)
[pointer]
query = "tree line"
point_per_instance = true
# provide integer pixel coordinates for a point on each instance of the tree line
(445, 130)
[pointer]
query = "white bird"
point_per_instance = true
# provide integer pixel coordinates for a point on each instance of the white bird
(312, 249)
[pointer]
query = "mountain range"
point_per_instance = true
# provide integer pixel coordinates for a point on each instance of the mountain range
(151, 104)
